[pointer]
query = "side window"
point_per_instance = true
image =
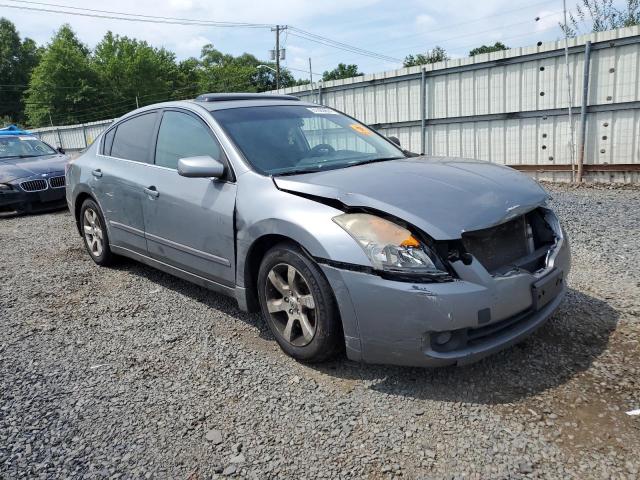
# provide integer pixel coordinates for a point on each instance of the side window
(132, 140)
(108, 141)
(181, 136)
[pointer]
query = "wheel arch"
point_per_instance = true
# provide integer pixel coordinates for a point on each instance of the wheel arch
(77, 206)
(253, 259)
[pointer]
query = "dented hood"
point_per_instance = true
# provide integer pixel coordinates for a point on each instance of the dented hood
(444, 197)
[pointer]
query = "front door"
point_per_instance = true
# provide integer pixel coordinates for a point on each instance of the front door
(189, 221)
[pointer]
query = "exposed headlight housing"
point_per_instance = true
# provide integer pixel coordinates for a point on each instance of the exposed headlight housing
(392, 249)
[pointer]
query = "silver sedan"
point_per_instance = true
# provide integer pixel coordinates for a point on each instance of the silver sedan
(343, 240)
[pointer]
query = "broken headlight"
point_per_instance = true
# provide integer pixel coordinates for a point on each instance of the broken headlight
(390, 247)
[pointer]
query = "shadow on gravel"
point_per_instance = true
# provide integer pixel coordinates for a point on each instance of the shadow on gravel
(213, 300)
(46, 211)
(567, 345)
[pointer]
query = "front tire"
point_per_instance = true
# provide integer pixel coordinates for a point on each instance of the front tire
(94, 233)
(298, 305)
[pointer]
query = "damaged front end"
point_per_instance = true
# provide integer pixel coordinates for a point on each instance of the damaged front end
(504, 282)
(523, 264)
(527, 243)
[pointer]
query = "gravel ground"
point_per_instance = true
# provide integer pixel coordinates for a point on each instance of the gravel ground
(128, 372)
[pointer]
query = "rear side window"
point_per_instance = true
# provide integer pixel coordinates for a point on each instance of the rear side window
(108, 141)
(132, 140)
(181, 136)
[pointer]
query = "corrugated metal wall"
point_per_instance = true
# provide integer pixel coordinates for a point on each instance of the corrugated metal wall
(507, 107)
(72, 137)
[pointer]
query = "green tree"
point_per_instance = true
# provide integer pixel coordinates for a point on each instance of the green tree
(222, 72)
(601, 15)
(496, 47)
(341, 71)
(128, 68)
(17, 60)
(438, 54)
(64, 84)
(188, 77)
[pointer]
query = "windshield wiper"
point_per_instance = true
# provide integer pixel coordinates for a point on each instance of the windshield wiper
(297, 171)
(19, 156)
(373, 160)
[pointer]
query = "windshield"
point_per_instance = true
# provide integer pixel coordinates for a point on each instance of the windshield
(23, 146)
(280, 140)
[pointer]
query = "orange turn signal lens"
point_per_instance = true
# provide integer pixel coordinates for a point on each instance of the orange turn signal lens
(410, 242)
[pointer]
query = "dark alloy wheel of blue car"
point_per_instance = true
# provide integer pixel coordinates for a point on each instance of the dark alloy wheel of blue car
(32, 173)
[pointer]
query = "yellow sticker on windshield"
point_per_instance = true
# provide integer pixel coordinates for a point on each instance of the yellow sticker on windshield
(360, 129)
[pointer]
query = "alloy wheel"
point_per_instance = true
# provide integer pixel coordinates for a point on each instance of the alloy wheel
(291, 305)
(93, 232)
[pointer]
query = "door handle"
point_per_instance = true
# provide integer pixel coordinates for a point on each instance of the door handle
(97, 173)
(152, 191)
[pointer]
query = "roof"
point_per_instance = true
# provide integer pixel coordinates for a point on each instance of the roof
(226, 101)
(13, 130)
(223, 101)
(226, 97)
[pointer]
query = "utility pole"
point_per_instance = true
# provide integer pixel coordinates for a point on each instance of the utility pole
(278, 29)
(310, 75)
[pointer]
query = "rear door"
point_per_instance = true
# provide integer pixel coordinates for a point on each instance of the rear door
(189, 221)
(119, 182)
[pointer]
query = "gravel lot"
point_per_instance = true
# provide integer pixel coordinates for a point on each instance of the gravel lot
(128, 372)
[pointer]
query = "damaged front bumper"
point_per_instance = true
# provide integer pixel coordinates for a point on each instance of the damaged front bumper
(438, 324)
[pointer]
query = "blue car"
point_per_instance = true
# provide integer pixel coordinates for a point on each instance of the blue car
(31, 173)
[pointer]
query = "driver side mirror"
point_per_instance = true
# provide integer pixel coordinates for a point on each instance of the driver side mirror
(395, 140)
(200, 167)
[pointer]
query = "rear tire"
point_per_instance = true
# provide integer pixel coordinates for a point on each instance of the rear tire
(94, 233)
(298, 305)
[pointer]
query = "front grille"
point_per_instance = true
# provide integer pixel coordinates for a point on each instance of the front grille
(57, 182)
(34, 185)
(500, 245)
(521, 243)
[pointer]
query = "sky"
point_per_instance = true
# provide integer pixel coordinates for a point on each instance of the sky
(393, 28)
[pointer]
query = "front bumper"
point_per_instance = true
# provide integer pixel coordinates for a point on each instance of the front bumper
(19, 201)
(394, 322)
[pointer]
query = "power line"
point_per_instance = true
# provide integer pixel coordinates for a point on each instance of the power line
(526, 34)
(520, 35)
(341, 46)
(302, 70)
(8, 85)
(212, 22)
(471, 34)
(113, 15)
(119, 104)
(138, 18)
(124, 109)
(475, 20)
(91, 111)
